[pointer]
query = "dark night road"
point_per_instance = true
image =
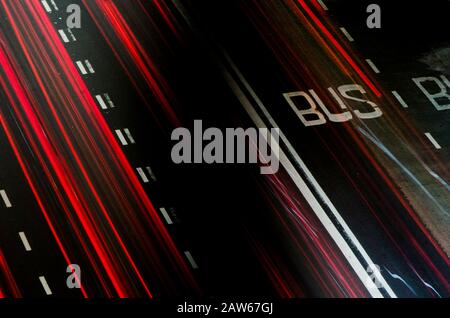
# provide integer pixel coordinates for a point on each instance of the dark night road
(359, 208)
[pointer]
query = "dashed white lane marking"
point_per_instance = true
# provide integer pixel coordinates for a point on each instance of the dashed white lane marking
(166, 216)
(44, 284)
(400, 99)
(142, 175)
(347, 35)
(104, 104)
(5, 198)
(81, 67)
(46, 6)
(433, 141)
(121, 137)
(191, 259)
(89, 66)
(373, 66)
(101, 101)
(63, 36)
(150, 172)
(129, 135)
(25, 242)
(323, 5)
(71, 35)
(54, 5)
(108, 99)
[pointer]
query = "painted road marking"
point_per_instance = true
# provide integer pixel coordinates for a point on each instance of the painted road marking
(46, 6)
(348, 36)
(129, 135)
(400, 99)
(339, 239)
(166, 216)
(323, 5)
(121, 137)
(101, 101)
(5, 198)
(373, 66)
(108, 99)
(191, 259)
(89, 66)
(72, 35)
(142, 175)
(81, 67)
(25, 242)
(63, 36)
(433, 141)
(47, 289)
(54, 5)
(150, 172)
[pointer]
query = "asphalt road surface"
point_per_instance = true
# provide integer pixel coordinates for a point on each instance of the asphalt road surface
(359, 207)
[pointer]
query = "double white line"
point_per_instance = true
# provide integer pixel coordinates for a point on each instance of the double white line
(301, 184)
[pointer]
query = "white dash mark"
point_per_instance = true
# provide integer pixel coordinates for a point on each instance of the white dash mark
(108, 99)
(400, 99)
(347, 35)
(101, 102)
(433, 141)
(54, 5)
(142, 175)
(72, 35)
(373, 66)
(46, 6)
(25, 242)
(152, 175)
(129, 135)
(81, 67)
(323, 5)
(121, 137)
(63, 36)
(5, 198)
(89, 66)
(47, 289)
(191, 259)
(166, 216)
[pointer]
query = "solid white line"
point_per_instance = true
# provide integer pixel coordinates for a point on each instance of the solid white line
(47, 289)
(400, 99)
(81, 67)
(322, 4)
(63, 36)
(191, 259)
(166, 215)
(373, 66)
(349, 37)
(25, 242)
(122, 139)
(5, 198)
(101, 101)
(302, 186)
(142, 174)
(46, 6)
(433, 141)
(129, 135)
(89, 66)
